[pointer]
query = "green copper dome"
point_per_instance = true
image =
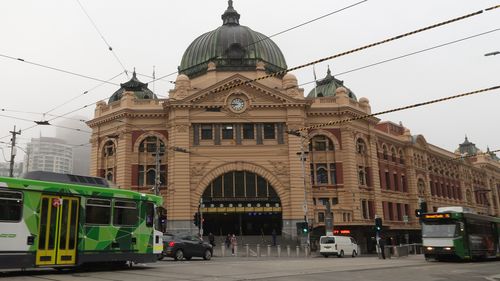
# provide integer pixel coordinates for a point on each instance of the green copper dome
(327, 86)
(231, 47)
(141, 90)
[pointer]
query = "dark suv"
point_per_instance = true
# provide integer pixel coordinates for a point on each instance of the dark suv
(185, 246)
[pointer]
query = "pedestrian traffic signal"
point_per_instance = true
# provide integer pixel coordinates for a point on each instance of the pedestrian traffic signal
(302, 228)
(378, 224)
(196, 219)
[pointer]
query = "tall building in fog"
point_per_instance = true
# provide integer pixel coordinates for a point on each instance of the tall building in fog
(79, 140)
(48, 154)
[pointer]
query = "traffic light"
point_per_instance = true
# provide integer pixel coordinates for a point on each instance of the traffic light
(378, 224)
(196, 219)
(302, 228)
(423, 207)
(418, 213)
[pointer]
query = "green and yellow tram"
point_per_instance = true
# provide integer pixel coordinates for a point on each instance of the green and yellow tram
(73, 220)
(460, 235)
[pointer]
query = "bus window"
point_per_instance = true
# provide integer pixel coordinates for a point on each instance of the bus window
(125, 213)
(439, 230)
(150, 214)
(98, 211)
(11, 206)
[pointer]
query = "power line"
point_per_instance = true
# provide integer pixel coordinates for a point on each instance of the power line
(409, 54)
(102, 37)
(57, 69)
(279, 33)
(84, 93)
(337, 122)
(225, 88)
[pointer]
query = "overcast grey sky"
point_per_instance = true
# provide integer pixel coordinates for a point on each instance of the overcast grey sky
(151, 33)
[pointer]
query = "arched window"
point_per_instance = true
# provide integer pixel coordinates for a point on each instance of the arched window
(394, 156)
(421, 186)
(150, 177)
(401, 157)
(321, 174)
(109, 149)
(384, 152)
(361, 146)
(321, 143)
(109, 176)
(150, 144)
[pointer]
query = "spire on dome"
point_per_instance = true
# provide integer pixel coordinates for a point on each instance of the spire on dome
(230, 16)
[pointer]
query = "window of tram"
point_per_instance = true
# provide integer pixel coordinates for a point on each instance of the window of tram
(150, 214)
(125, 213)
(98, 211)
(11, 206)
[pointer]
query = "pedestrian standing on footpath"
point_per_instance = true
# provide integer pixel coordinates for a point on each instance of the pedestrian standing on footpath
(211, 239)
(228, 241)
(274, 237)
(234, 243)
(381, 244)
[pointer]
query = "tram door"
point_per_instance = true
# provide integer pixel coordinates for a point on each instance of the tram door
(57, 235)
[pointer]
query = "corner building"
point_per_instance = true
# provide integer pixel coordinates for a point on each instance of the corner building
(248, 171)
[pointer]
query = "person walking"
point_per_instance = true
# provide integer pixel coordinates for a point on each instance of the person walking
(234, 244)
(381, 244)
(211, 239)
(273, 234)
(228, 241)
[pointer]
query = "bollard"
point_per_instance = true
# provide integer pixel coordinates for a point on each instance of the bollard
(247, 250)
(258, 250)
(297, 250)
(235, 250)
(306, 250)
(268, 250)
(223, 250)
(288, 250)
(279, 250)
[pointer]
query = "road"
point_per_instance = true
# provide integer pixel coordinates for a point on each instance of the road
(289, 269)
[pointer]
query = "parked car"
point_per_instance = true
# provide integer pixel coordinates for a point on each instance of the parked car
(338, 246)
(185, 246)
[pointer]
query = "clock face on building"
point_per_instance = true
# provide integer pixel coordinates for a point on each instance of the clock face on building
(237, 104)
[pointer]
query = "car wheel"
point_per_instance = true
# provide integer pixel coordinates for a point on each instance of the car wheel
(341, 254)
(179, 255)
(208, 255)
(188, 258)
(160, 257)
(325, 255)
(354, 254)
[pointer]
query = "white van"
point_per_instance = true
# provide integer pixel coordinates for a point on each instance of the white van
(337, 245)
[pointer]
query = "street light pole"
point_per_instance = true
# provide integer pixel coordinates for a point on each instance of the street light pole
(12, 151)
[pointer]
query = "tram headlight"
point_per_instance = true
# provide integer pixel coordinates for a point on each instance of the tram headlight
(430, 248)
(447, 248)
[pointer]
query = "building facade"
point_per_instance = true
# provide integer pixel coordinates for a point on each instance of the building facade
(226, 149)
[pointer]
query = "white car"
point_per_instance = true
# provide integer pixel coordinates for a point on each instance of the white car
(338, 246)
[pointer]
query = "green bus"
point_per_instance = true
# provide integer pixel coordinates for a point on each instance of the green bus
(73, 220)
(449, 234)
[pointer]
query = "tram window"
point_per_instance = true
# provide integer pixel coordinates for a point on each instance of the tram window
(11, 206)
(98, 211)
(150, 214)
(125, 213)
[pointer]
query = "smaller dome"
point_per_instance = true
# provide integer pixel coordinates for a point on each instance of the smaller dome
(139, 89)
(289, 81)
(364, 100)
(327, 87)
(289, 77)
(182, 77)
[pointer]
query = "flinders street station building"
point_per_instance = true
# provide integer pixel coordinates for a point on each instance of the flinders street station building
(227, 147)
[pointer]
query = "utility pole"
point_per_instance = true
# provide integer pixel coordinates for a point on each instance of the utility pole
(158, 154)
(200, 226)
(12, 151)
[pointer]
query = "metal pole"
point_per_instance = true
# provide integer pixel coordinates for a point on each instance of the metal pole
(200, 227)
(12, 151)
(303, 159)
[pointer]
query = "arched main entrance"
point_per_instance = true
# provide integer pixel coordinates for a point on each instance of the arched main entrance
(243, 203)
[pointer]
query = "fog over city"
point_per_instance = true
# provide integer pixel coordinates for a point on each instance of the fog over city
(41, 37)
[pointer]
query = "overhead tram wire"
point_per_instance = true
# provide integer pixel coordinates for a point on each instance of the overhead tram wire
(42, 123)
(278, 73)
(306, 23)
(84, 93)
(337, 122)
(102, 37)
(279, 33)
(408, 54)
(58, 69)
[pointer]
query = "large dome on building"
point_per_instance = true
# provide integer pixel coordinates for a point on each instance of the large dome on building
(232, 47)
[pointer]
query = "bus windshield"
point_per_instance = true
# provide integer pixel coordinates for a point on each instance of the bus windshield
(439, 230)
